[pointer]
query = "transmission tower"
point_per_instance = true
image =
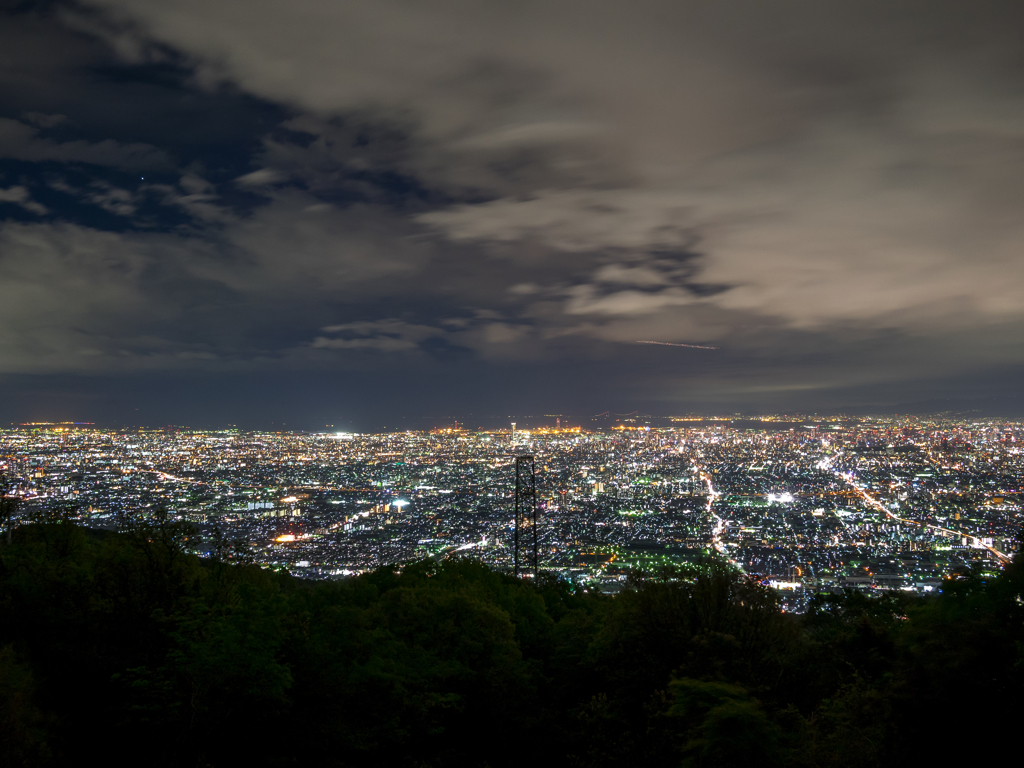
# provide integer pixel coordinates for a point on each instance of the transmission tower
(526, 515)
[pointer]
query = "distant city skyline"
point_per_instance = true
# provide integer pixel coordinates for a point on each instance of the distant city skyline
(392, 423)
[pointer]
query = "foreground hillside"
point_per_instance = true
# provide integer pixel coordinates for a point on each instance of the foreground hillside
(122, 647)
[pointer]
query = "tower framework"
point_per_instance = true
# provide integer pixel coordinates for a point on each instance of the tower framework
(525, 530)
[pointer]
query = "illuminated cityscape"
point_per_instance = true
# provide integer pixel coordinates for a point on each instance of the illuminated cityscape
(804, 505)
(479, 384)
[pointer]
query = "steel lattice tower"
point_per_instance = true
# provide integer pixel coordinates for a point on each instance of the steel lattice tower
(526, 514)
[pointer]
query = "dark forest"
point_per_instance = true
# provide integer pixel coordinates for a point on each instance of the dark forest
(125, 648)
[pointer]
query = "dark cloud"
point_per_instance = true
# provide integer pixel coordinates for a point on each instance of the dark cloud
(829, 193)
(22, 142)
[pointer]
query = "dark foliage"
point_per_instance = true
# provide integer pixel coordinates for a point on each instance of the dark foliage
(125, 649)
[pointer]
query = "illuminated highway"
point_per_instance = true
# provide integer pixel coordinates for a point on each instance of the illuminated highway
(878, 505)
(718, 524)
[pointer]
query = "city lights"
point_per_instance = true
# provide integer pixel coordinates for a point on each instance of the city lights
(881, 504)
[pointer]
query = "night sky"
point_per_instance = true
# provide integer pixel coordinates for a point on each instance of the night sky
(371, 214)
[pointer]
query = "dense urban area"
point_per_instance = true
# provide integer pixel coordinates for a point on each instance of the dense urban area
(805, 505)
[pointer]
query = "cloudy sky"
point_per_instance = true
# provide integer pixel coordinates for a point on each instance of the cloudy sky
(316, 212)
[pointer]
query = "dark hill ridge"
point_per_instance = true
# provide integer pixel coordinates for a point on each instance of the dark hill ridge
(124, 648)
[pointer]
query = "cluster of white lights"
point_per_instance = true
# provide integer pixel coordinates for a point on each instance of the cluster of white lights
(781, 498)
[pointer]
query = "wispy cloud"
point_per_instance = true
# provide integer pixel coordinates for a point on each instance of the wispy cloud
(21, 196)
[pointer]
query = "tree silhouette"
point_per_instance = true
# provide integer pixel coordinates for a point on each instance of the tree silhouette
(113, 642)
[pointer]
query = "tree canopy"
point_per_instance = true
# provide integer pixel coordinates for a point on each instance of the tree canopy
(124, 647)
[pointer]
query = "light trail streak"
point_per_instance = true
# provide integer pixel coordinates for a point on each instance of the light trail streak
(674, 344)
